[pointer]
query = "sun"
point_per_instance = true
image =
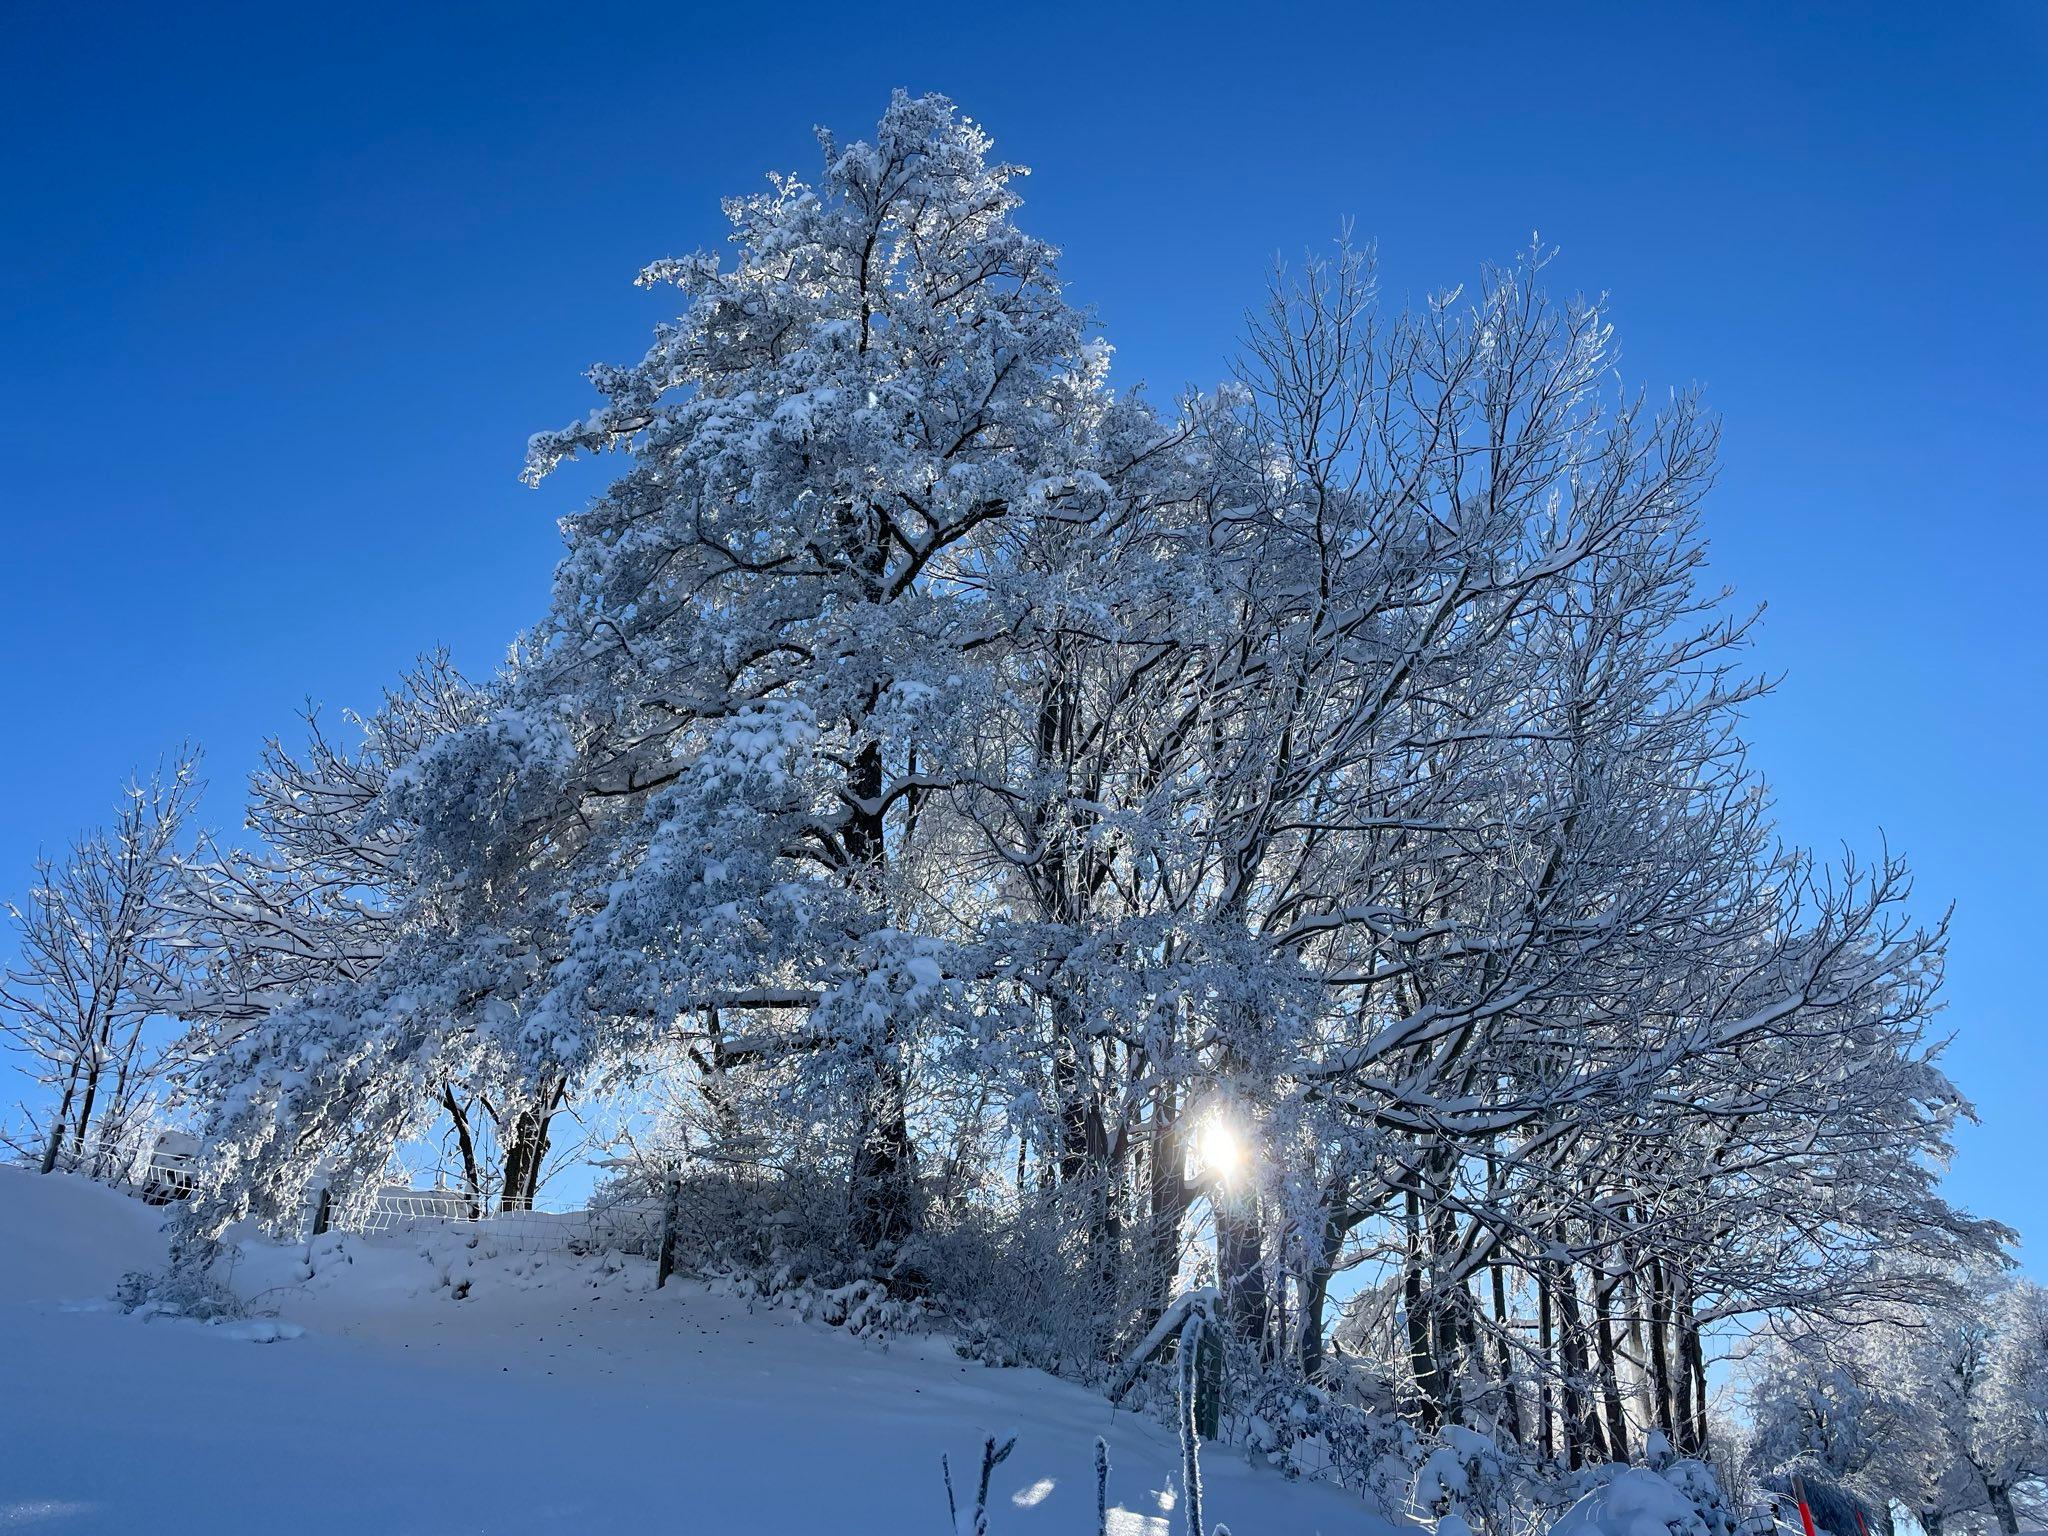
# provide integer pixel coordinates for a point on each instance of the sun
(1221, 1149)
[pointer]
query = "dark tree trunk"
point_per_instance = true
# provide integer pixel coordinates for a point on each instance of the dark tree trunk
(1422, 1360)
(1688, 1386)
(1696, 1368)
(884, 1175)
(63, 1117)
(2000, 1500)
(671, 1218)
(1450, 1305)
(1090, 1164)
(1168, 1191)
(1660, 1349)
(1315, 1287)
(1105, 1216)
(472, 1175)
(1241, 1266)
(1076, 1098)
(1510, 1392)
(526, 1147)
(1610, 1377)
(884, 1178)
(519, 1139)
(92, 1089)
(1583, 1440)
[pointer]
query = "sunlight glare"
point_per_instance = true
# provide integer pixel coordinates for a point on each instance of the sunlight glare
(1220, 1148)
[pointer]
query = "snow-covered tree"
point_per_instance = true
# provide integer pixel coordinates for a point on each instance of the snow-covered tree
(1938, 1405)
(314, 899)
(93, 936)
(1314, 816)
(699, 796)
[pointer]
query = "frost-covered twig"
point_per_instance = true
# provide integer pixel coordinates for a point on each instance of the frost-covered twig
(1190, 1438)
(992, 1456)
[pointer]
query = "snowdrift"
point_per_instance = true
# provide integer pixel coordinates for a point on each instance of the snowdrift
(439, 1387)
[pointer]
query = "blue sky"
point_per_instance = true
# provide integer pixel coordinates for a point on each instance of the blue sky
(281, 297)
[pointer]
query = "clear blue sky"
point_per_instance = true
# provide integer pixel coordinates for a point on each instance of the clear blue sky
(281, 299)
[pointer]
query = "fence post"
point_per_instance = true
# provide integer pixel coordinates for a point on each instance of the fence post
(671, 1214)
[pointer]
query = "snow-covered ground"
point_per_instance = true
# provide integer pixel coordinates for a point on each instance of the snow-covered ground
(560, 1394)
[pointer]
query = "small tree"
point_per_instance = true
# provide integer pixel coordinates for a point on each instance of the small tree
(93, 937)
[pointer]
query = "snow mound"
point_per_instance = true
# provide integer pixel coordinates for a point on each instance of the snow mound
(1634, 1502)
(69, 1239)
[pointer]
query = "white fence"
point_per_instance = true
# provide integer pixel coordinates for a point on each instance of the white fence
(156, 1166)
(162, 1167)
(628, 1225)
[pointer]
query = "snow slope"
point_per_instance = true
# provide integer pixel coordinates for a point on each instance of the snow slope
(558, 1395)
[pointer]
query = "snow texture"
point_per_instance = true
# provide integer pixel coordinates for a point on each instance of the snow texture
(559, 1394)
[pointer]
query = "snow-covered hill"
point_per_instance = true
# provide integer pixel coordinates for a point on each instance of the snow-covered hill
(560, 1394)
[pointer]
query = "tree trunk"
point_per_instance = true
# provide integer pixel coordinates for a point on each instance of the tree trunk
(1241, 1267)
(1583, 1439)
(671, 1218)
(1075, 1096)
(1315, 1285)
(1168, 1196)
(2000, 1500)
(1450, 1305)
(92, 1089)
(519, 1139)
(1690, 1390)
(1089, 1164)
(1610, 1377)
(884, 1172)
(471, 1174)
(1545, 1411)
(62, 1117)
(1422, 1359)
(526, 1147)
(1660, 1352)
(1106, 1218)
(1696, 1368)
(883, 1191)
(1510, 1392)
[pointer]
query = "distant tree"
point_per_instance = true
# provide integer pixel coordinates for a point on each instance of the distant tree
(1941, 1405)
(94, 936)
(1990, 1374)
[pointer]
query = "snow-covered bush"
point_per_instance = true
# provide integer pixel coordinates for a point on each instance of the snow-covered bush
(1700, 1485)
(1636, 1501)
(1307, 1431)
(757, 1223)
(1020, 1290)
(1467, 1474)
(182, 1290)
